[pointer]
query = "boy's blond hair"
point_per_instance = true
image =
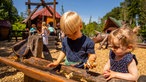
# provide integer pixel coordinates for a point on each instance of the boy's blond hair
(70, 22)
(125, 36)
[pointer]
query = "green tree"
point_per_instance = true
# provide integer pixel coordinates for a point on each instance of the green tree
(127, 11)
(89, 29)
(62, 10)
(114, 13)
(90, 20)
(8, 11)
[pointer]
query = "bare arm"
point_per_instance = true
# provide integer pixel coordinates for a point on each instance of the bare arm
(55, 63)
(133, 72)
(54, 30)
(42, 30)
(107, 66)
(61, 57)
(106, 69)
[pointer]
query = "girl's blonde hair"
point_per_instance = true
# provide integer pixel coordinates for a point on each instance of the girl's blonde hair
(43, 23)
(70, 22)
(125, 35)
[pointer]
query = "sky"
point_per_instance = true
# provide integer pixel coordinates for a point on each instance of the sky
(95, 9)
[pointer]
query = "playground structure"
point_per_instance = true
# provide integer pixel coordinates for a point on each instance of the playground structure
(44, 4)
(31, 63)
(47, 14)
(110, 25)
(34, 66)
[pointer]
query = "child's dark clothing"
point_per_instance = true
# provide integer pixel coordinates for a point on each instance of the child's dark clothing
(121, 65)
(77, 51)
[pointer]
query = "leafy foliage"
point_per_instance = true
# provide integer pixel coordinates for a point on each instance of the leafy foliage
(89, 29)
(8, 11)
(18, 26)
(128, 11)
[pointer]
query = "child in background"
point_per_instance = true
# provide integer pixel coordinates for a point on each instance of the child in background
(51, 29)
(78, 48)
(122, 63)
(45, 33)
(33, 29)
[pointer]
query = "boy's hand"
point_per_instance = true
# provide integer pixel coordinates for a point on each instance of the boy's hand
(91, 62)
(53, 64)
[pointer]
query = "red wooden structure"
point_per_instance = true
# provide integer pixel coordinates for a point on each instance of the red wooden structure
(52, 12)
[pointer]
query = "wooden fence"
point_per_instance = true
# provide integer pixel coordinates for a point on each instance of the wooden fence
(17, 34)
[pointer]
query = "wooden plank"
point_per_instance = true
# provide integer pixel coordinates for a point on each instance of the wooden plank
(35, 73)
(18, 46)
(29, 79)
(63, 70)
(54, 14)
(52, 38)
(141, 45)
(29, 12)
(77, 74)
(44, 4)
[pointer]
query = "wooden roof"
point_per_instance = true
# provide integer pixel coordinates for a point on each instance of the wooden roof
(5, 23)
(45, 12)
(112, 22)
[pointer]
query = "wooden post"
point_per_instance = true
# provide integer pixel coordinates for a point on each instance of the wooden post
(102, 43)
(28, 18)
(29, 11)
(44, 4)
(54, 14)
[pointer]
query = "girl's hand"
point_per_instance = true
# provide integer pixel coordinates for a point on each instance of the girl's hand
(111, 74)
(53, 64)
(106, 73)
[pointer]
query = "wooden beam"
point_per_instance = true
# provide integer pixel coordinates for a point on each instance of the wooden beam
(77, 72)
(54, 15)
(35, 73)
(73, 73)
(29, 7)
(31, 3)
(44, 4)
(104, 40)
(31, 14)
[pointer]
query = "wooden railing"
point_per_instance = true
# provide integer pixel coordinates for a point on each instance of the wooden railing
(17, 34)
